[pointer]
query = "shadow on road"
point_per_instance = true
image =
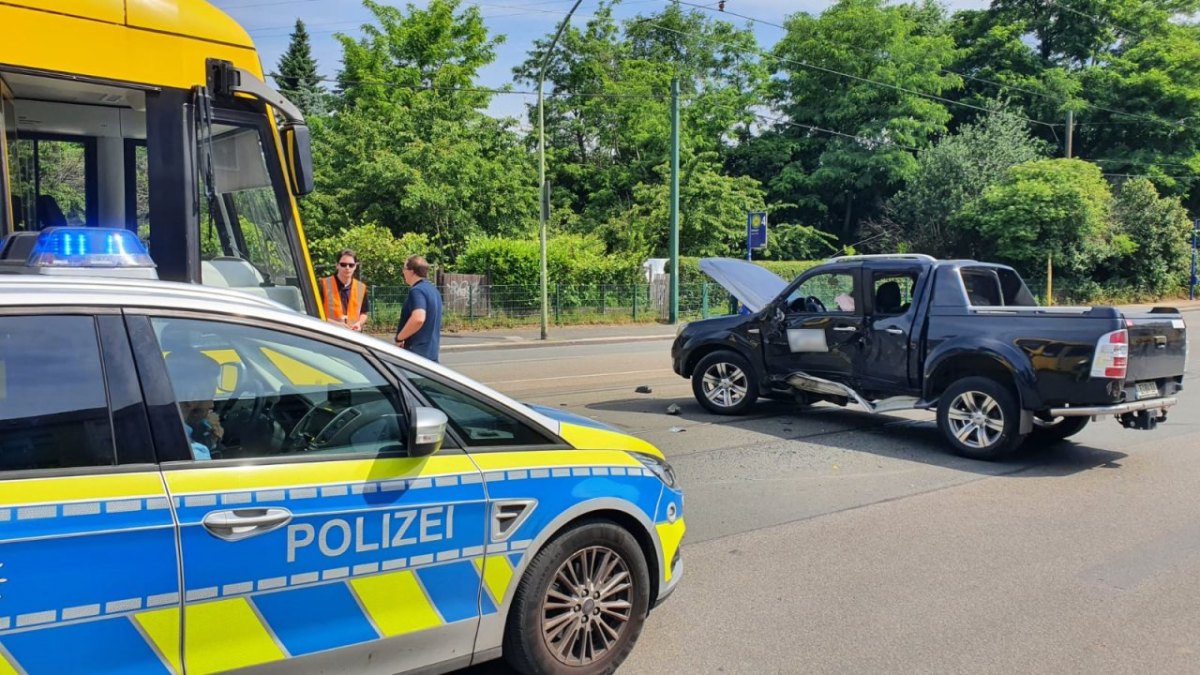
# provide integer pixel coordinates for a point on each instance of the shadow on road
(883, 435)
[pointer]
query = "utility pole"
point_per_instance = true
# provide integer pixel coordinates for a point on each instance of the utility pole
(1070, 133)
(674, 311)
(543, 188)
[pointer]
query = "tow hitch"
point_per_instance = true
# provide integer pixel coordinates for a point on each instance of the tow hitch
(1146, 420)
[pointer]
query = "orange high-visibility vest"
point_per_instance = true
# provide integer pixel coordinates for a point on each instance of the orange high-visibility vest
(333, 299)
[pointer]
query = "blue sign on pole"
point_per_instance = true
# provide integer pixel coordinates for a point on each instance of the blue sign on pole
(756, 231)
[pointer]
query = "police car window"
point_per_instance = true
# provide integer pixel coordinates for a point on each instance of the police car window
(247, 392)
(477, 422)
(53, 404)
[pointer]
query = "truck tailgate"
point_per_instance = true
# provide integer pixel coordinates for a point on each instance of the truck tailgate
(1157, 345)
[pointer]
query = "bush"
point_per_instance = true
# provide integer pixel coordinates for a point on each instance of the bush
(1160, 262)
(571, 260)
(381, 255)
(1054, 207)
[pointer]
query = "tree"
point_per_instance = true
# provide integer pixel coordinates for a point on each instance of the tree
(297, 74)
(1157, 81)
(855, 86)
(410, 146)
(1161, 232)
(608, 124)
(954, 173)
(1051, 207)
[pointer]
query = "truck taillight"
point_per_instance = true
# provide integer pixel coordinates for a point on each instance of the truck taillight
(1112, 355)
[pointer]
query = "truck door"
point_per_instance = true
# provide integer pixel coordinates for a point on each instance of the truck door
(818, 329)
(890, 324)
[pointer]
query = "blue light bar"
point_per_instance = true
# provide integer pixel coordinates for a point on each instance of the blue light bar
(88, 247)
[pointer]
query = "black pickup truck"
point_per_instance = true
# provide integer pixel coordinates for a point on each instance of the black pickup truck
(966, 338)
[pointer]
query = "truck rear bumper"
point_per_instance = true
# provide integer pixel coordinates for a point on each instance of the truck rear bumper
(1115, 409)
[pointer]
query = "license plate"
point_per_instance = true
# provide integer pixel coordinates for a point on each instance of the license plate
(1147, 390)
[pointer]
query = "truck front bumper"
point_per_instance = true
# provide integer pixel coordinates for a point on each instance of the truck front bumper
(1115, 409)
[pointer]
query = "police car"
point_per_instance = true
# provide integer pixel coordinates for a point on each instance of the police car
(197, 480)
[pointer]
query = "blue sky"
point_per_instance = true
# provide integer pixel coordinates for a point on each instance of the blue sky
(270, 24)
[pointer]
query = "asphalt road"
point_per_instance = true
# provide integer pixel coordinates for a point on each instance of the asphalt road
(830, 540)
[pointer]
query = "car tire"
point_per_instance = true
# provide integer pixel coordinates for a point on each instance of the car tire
(1061, 429)
(980, 419)
(724, 383)
(551, 625)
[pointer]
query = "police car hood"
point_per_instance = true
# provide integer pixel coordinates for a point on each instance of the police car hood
(585, 433)
(752, 285)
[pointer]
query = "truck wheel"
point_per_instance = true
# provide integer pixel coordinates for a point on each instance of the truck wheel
(581, 605)
(980, 418)
(724, 383)
(1047, 432)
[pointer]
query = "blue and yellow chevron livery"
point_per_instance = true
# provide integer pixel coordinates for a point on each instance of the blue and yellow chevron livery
(124, 568)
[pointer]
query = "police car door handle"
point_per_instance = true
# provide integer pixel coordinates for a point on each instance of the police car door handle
(236, 524)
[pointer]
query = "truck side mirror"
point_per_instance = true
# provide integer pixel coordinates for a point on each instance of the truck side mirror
(297, 143)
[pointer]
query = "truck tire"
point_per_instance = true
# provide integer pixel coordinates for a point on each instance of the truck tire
(980, 419)
(1054, 431)
(724, 383)
(561, 621)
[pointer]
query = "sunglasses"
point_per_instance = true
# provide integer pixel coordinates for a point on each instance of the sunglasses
(342, 264)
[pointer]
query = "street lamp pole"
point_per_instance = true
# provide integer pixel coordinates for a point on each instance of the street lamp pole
(543, 193)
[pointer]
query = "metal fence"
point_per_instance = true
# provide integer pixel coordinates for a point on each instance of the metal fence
(476, 305)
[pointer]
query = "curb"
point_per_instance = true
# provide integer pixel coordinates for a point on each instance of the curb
(533, 344)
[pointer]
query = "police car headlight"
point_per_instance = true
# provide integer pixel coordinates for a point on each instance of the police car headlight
(660, 467)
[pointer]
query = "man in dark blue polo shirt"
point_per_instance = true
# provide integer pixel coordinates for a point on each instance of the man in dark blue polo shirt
(420, 327)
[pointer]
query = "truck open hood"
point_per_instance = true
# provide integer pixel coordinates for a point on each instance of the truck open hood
(752, 285)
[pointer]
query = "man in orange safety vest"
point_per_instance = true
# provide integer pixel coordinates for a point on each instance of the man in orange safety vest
(345, 298)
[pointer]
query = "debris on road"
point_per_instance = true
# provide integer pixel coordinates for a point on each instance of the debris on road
(676, 430)
(643, 389)
(673, 409)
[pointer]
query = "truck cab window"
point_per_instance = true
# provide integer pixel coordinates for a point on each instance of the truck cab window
(893, 292)
(982, 287)
(824, 293)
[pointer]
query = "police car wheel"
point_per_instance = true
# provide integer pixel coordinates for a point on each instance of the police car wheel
(581, 604)
(724, 383)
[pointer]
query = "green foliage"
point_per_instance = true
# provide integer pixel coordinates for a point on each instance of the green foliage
(690, 274)
(297, 74)
(381, 255)
(954, 172)
(839, 180)
(608, 127)
(410, 145)
(797, 242)
(850, 126)
(570, 260)
(1055, 207)
(1159, 261)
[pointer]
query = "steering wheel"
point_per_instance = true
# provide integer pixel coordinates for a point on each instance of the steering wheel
(299, 437)
(245, 385)
(813, 304)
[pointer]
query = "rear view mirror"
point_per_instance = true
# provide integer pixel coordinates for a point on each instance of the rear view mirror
(297, 143)
(427, 432)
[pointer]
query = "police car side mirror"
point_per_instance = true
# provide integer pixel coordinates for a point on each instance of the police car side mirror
(427, 432)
